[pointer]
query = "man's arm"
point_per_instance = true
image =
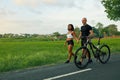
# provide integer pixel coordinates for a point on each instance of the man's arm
(91, 34)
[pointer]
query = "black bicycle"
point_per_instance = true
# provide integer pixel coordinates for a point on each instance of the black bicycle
(100, 52)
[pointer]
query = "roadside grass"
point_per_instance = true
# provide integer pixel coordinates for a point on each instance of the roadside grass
(17, 55)
(113, 43)
(24, 54)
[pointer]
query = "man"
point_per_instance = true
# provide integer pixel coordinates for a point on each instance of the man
(86, 31)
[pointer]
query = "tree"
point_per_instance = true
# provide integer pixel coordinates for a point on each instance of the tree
(35, 35)
(56, 34)
(117, 33)
(111, 29)
(96, 32)
(112, 9)
(77, 31)
(99, 26)
(1, 35)
(26, 35)
(8, 35)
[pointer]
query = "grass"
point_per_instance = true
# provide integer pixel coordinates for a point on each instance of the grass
(23, 54)
(113, 43)
(17, 55)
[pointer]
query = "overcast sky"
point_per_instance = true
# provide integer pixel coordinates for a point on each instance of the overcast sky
(48, 16)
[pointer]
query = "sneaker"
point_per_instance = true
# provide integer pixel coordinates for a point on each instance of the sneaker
(90, 61)
(79, 63)
(67, 61)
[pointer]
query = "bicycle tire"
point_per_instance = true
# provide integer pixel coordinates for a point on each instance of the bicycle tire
(104, 54)
(78, 56)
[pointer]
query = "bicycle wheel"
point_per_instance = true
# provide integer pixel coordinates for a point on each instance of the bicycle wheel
(104, 54)
(81, 56)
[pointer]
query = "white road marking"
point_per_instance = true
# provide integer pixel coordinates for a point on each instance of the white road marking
(60, 76)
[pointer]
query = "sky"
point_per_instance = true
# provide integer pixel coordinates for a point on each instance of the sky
(49, 16)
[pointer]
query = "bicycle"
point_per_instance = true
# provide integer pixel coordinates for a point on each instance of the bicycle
(101, 53)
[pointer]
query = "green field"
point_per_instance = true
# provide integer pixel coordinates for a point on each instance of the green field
(20, 54)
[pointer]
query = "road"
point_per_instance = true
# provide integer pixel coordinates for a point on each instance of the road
(94, 71)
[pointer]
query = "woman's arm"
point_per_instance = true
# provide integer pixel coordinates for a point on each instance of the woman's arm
(75, 37)
(80, 35)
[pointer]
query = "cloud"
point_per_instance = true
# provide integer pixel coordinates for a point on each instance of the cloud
(25, 2)
(20, 26)
(49, 1)
(36, 3)
(29, 5)
(38, 6)
(6, 12)
(60, 3)
(80, 4)
(19, 2)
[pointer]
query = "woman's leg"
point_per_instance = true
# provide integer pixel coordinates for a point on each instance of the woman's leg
(70, 47)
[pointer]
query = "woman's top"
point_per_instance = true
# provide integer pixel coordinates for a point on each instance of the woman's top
(69, 35)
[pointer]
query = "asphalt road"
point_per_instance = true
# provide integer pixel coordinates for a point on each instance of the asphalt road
(94, 71)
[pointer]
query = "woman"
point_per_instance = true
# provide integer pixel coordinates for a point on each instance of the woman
(70, 35)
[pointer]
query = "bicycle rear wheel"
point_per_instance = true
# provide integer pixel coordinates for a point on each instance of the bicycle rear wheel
(81, 56)
(104, 54)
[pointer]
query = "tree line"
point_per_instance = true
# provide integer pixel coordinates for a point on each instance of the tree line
(99, 30)
(110, 30)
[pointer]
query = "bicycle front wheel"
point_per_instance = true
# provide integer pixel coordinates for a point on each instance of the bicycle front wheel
(81, 57)
(104, 54)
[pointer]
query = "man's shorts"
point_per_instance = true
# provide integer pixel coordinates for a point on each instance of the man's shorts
(83, 41)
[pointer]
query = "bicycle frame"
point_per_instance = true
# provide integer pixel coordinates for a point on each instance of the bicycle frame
(92, 46)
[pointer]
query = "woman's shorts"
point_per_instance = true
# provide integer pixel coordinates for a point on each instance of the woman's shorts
(70, 42)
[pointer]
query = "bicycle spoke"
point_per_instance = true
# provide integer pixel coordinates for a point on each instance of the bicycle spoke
(81, 58)
(104, 54)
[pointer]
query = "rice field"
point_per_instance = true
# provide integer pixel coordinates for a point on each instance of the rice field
(21, 54)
